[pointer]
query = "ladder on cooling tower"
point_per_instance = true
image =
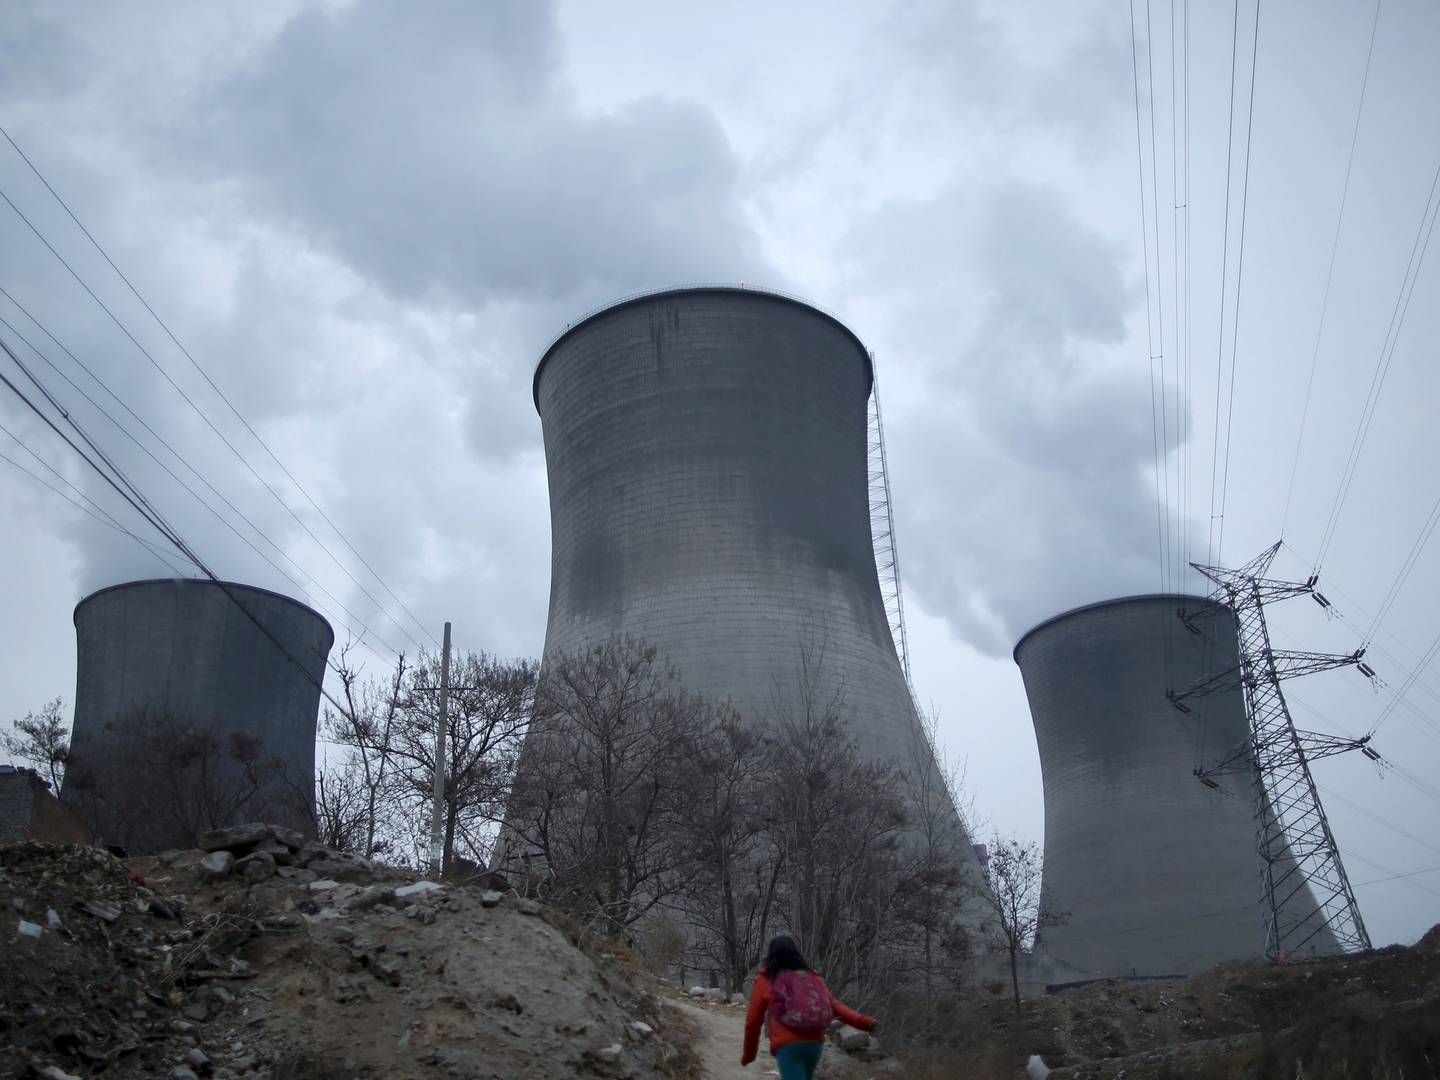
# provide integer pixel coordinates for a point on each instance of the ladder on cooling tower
(882, 525)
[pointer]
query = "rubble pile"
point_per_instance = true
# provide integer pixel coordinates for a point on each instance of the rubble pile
(263, 957)
(1374, 1014)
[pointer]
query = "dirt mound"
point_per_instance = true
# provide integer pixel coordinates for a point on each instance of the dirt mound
(1376, 1014)
(266, 970)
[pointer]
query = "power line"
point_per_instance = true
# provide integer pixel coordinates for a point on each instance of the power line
(186, 487)
(1149, 323)
(209, 423)
(107, 520)
(1413, 556)
(1239, 281)
(1380, 820)
(1224, 265)
(132, 495)
(1382, 364)
(1391, 874)
(1164, 440)
(211, 382)
(1330, 273)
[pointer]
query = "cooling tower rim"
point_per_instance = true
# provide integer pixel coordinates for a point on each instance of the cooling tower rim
(1045, 624)
(184, 582)
(692, 290)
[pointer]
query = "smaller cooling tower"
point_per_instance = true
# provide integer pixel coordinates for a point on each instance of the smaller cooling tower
(195, 706)
(1153, 872)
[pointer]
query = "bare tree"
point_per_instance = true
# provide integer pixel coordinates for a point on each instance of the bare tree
(725, 826)
(345, 809)
(197, 776)
(42, 741)
(605, 773)
(366, 725)
(1013, 876)
(488, 715)
(837, 825)
(935, 859)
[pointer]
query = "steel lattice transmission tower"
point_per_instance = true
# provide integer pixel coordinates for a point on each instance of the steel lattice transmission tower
(1295, 842)
(882, 525)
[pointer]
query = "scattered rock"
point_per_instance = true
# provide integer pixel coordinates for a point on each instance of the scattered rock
(215, 866)
(386, 970)
(52, 919)
(300, 875)
(289, 837)
(256, 867)
(104, 912)
(323, 885)
(376, 894)
(418, 889)
(697, 991)
(180, 1072)
(490, 898)
(714, 993)
(197, 1059)
(52, 1072)
(852, 1038)
(611, 1052)
(282, 854)
(238, 836)
(737, 999)
(196, 1010)
(639, 1030)
(30, 929)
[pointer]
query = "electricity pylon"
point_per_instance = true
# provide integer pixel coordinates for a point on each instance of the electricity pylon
(1295, 842)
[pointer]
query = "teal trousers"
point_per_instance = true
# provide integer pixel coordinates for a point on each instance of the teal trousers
(799, 1060)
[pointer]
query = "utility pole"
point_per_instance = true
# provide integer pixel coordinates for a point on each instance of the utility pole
(1294, 838)
(437, 809)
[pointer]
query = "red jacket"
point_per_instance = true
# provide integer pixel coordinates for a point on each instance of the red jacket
(779, 1034)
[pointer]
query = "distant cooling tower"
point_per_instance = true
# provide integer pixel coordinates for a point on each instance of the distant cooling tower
(189, 715)
(1157, 874)
(706, 451)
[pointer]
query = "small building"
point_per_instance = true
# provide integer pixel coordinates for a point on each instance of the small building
(29, 810)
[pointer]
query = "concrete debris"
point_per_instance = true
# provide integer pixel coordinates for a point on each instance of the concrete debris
(852, 1038)
(337, 982)
(197, 1059)
(257, 866)
(419, 889)
(104, 912)
(215, 866)
(238, 836)
(30, 929)
(376, 894)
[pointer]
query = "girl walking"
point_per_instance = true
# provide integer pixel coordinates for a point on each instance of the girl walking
(797, 1007)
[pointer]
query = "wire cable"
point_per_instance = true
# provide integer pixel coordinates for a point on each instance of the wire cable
(354, 619)
(107, 520)
(1224, 266)
(1239, 282)
(1330, 272)
(211, 382)
(132, 495)
(205, 417)
(1382, 364)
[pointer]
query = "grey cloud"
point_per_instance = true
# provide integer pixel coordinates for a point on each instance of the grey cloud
(1031, 420)
(438, 150)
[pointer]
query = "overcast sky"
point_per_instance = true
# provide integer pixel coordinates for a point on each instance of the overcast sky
(365, 221)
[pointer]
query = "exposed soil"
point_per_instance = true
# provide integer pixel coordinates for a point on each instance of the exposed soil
(274, 979)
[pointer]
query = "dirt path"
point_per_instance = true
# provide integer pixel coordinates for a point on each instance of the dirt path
(720, 1032)
(720, 1037)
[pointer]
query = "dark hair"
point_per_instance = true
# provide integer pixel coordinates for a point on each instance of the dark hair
(783, 955)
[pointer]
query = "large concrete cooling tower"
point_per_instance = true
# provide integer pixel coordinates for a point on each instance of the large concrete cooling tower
(188, 715)
(1157, 874)
(706, 451)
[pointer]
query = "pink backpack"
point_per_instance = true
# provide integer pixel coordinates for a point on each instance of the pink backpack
(799, 1001)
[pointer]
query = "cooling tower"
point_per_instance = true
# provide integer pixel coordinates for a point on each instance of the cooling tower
(706, 454)
(1154, 872)
(189, 715)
